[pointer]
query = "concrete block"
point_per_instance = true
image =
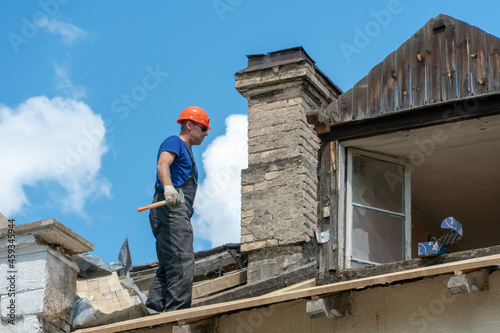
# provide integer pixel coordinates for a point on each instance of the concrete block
(55, 233)
(60, 289)
(31, 271)
(182, 329)
(44, 283)
(28, 324)
(469, 283)
(21, 241)
(333, 306)
(25, 304)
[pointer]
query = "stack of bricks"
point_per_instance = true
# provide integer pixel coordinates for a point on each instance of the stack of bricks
(105, 293)
(279, 188)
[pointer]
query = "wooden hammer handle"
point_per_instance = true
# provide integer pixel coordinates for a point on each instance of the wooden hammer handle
(154, 205)
(161, 203)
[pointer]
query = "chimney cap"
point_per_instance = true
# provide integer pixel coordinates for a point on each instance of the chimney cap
(280, 57)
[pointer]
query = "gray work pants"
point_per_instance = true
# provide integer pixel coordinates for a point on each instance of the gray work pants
(172, 285)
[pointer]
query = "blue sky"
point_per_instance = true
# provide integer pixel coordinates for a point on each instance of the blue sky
(89, 89)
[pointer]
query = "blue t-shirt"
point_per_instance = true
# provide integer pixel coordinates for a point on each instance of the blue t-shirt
(181, 168)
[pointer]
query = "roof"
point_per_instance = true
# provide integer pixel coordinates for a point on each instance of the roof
(445, 60)
(202, 312)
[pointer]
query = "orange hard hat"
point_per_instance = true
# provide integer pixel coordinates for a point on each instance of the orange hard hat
(196, 114)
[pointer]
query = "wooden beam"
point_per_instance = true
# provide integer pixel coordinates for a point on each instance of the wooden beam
(216, 309)
(219, 284)
(301, 285)
(427, 115)
(263, 287)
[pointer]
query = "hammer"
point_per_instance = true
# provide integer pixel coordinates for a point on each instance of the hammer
(161, 203)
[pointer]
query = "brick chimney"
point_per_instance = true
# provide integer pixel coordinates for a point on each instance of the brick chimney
(279, 189)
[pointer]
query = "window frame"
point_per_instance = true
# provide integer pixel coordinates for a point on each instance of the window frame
(345, 197)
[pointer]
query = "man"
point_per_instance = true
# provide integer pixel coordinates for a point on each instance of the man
(171, 224)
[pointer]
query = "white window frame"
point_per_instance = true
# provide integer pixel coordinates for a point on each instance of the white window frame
(346, 223)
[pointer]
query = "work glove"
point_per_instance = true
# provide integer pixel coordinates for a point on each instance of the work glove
(171, 196)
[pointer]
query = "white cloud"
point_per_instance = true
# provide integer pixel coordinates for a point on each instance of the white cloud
(64, 83)
(69, 32)
(55, 140)
(218, 200)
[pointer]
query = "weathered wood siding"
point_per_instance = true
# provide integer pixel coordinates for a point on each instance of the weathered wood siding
(445, 60)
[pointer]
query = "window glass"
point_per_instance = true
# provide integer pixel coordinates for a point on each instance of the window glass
(377, 237)
(377, 184)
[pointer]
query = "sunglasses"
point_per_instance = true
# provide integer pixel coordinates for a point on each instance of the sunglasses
(203, 128)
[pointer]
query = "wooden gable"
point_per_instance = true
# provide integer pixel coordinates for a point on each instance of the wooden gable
(445, 60)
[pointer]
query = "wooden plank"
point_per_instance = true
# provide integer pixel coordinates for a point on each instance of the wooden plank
(399, 266)
(327, 259)
(217, 309)
(338, 220)
(375, 90)
(448, 59)
(105, 293)
(332, 219)
(259, 288)
(103, 284)
(114, 282)
(83, 294)
(123, 299)
(112, 302)
(345, 106)
(418, 59)
(433, 62)
(301, 285)
(389, 83)
(81, 286)
(360, 99)
(493, 64)
(222, 283)
(98, 302)
(93, 286)
(478, 61)
(427, 115)
(324, 200)
(404, 75)
(462, 53)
